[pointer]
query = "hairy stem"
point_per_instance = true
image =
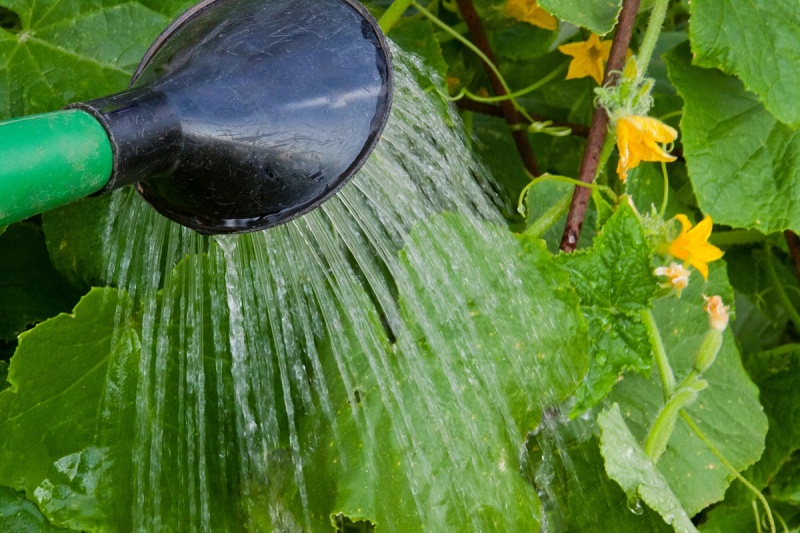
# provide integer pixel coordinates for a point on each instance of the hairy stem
(662, 362)
(548, 218)
(657, 16)
(393, 14)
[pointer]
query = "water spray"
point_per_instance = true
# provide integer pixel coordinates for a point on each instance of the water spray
(242, 115)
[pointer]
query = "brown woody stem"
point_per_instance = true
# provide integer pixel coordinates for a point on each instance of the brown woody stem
(599, 127)
(512, 116)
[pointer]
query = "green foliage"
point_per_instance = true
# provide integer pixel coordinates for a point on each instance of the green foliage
(50, 413)
(376, 482)
(574, 478)
(742, 160)
(31, 290)
(599, 16)
(615, 284)
(72, 51)
(19, 515)
(757, 41)
(551, 334)
(777, 375)
(728, 411)
(627, 464)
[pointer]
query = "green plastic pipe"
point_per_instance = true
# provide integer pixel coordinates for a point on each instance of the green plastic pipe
(50, 160)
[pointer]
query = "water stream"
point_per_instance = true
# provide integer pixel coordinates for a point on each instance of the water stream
(354, 360)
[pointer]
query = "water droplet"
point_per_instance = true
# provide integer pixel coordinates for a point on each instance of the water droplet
(601, 357)
(635, 505)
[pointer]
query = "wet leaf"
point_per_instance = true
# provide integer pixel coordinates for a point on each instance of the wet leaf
(72, 424)
(69, 51)
(758, 41)
(615, 283)
(20, 515)
(627, 464)
(565, 465)
(406, 432)
(49, 415)
(744, 164)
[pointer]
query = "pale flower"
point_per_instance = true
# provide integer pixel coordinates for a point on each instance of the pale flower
(717, 312)
(677, 276)
(588, 58)
(530, 12)
(638, 140)
(692, 244)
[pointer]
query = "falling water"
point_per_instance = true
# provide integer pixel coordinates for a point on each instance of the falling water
(353, 343)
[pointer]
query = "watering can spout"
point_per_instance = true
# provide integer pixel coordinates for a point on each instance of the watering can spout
(247, 113)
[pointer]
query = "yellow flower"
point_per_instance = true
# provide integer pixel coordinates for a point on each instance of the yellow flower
(637, 141)
(529, 11)
(717, 312)
(677, 276)
(589, 58)
(692, 244)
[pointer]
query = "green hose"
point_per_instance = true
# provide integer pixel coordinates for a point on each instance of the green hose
(50, 160)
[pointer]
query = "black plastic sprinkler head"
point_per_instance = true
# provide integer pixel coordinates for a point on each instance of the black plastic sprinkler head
(242, 115)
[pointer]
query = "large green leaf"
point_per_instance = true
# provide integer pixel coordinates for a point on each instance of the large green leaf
(82, 417)
(777, 374)
(431, 441)
(600, 16)
(728, 411)
(523, 313)
(31, 290)
(615, 283)
(49, 417)
(744, 164)
(627, 464)
(758, 41)
(20, 515)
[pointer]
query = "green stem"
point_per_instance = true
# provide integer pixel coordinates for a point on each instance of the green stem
(466, 42)
(664, 424)
(663, 209)
(696, 429)
(657, 16)
(516, 94)
(782, 350)
(671, 114)
(662, 362)
(577, 183)
(783, 298)
(549, 218)
(756, 516)
(393, 14)
(605, 152)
